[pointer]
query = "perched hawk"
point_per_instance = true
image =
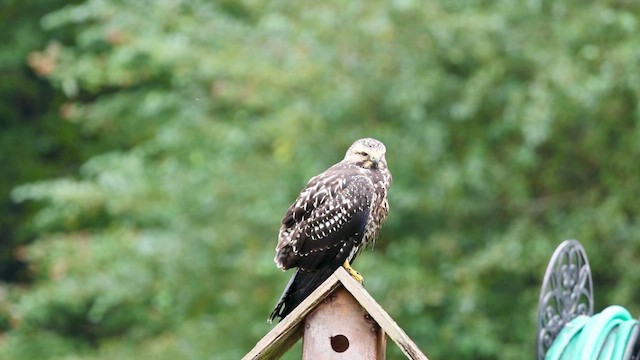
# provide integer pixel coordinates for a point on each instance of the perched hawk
(335, 216)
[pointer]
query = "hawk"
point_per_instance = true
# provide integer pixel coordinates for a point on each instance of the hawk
(336, 215)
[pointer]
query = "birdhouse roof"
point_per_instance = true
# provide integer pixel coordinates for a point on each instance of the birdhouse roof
(284, 335)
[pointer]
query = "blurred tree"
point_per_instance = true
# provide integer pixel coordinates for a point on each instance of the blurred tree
(509, 127)
(34, 143)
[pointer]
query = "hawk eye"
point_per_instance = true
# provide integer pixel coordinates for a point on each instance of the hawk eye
(364, 153)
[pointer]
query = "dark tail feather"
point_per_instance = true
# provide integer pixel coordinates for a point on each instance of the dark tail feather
(300, 286)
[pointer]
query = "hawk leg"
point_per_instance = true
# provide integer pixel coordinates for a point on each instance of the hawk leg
(354, 274)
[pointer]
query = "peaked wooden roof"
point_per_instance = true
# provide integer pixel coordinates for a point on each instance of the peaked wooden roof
(277, 341)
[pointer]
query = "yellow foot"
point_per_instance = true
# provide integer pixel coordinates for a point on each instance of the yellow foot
(354, 274)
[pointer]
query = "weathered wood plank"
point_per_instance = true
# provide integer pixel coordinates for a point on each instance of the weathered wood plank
(290, 329)
(382, 344)
(339, 328)
(408, 347)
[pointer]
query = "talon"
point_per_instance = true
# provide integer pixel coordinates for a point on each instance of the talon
(354, 274)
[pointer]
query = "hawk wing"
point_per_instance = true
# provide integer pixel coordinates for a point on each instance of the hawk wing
(326, 223)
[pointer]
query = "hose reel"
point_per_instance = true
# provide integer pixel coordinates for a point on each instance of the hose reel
(567, 327)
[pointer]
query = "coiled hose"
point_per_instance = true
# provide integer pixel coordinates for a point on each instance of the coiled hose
(604, 336)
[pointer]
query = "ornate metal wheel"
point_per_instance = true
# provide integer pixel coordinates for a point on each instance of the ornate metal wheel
(632, 352)
(567, 291)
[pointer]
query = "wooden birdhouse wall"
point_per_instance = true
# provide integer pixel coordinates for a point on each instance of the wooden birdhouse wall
(339, 328)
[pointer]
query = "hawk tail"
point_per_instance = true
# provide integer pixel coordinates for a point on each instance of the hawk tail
(300, 286)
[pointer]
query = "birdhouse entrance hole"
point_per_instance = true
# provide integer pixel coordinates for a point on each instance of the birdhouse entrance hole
(339, 343)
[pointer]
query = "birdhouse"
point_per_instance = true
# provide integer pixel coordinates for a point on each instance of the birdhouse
(339, 320)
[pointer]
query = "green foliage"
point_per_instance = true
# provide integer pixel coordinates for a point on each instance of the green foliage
(509, 127)
(34, 143)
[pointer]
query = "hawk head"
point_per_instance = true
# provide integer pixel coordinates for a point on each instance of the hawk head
(367, 153)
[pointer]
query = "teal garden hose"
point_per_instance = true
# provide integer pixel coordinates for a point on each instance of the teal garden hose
(604, 336)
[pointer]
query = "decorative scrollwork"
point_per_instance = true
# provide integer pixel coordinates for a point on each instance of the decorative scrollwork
(567, 291)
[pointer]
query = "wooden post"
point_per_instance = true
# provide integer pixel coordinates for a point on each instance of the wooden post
(339, 328)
